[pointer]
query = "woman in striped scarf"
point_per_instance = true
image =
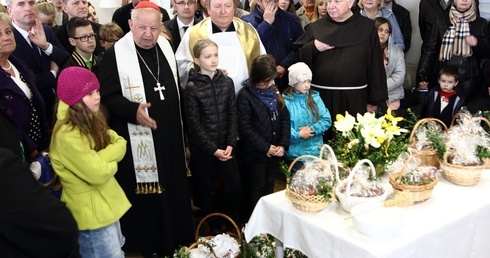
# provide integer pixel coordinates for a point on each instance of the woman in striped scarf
(460, 38)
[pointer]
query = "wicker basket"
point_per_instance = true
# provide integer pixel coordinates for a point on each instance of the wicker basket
(308, 203)
(238, 236)
(461, 175)
(346, 200)
(417, 193)
(429, 156)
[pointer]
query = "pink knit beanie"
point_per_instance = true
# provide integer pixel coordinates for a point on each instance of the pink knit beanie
(74, 83)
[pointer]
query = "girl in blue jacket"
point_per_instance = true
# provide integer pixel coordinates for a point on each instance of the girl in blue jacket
(308, 114)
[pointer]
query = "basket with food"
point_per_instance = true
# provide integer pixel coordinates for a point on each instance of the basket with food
(219, 246)
(415, 181)
(310, 189)
(359, 187)
(420, 140)
(466, 147)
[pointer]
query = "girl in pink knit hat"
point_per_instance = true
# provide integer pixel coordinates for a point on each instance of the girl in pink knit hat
(84, 153)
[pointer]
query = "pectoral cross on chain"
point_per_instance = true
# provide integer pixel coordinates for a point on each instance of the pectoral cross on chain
(159, 88)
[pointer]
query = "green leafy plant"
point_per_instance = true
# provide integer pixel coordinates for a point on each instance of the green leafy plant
(284, 169)
(260, 246)
(325, 188)
(436, 142)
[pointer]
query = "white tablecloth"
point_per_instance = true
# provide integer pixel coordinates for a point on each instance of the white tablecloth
(454, 222)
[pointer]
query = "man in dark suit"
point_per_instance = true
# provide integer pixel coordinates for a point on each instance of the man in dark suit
(39, 48)
(123, 14)
(182, 21)
(76, 8)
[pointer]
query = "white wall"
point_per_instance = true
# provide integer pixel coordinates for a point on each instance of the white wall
(104, 14)
(413, 55)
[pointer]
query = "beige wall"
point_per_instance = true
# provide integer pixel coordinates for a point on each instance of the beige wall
(413, 55)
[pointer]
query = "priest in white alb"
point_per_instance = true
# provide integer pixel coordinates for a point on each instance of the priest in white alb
(238, 42)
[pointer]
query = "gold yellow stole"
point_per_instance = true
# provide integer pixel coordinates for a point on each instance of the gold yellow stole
(246, 34)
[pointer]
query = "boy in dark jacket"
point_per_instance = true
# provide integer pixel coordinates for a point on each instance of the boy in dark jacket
(82, 37)
(445, 100)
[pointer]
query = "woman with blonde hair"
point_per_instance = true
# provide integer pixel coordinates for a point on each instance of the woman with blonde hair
(320, 9)
(20, 97)
(46, 13)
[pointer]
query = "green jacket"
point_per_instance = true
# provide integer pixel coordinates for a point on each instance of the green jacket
(90, 190)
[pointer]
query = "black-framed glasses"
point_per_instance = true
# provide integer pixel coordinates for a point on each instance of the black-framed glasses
(182, 3)
(109, 40)
(85, 38)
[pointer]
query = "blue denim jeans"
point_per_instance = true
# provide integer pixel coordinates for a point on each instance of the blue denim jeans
(104, 242)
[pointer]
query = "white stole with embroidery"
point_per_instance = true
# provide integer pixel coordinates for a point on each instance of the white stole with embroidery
(132, 87)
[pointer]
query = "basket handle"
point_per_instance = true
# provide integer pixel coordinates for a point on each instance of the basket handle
(458, 115)
(408, 161)
(216, 214)
(353, 172)
(311, 157)
(424, 121)
(194, 245)
(484, 119)
(336, 162)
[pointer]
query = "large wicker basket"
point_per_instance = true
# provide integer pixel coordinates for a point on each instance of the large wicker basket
(463, 175)
(416, 193)
(237, 236)
(308, 203)
(346, 200)
(429, 156)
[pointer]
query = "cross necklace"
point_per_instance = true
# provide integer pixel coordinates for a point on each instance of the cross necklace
(159, 87)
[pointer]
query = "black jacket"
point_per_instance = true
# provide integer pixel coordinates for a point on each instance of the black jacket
(429, 10)
(173, 27)
(432, 100)
(468, 67)
(257, 127)
(402, 16)
(210, 110)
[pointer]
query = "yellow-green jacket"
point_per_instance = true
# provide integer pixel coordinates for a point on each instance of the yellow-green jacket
(90, 190)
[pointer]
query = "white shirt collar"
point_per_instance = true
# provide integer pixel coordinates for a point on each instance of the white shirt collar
(22, 32)
(181, 24)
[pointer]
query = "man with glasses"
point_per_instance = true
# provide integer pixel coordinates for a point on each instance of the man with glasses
(76, 8)
(184, 19)
(38, 47)
(82, 37)
(123, 14)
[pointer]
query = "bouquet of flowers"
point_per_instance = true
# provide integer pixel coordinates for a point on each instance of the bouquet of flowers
(380, 140)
